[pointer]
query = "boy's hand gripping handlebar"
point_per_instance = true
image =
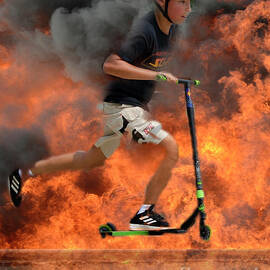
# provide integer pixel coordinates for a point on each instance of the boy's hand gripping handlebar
(162, 77)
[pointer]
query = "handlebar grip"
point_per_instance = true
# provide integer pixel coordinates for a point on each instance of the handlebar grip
(162, 77)
(194, 82)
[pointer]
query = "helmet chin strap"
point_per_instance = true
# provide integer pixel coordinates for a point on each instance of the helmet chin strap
(165, 12)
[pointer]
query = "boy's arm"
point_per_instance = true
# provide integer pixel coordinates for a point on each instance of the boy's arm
(117, 67)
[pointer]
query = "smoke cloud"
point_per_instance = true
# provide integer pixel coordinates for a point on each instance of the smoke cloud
(19, 148)
(83, 33)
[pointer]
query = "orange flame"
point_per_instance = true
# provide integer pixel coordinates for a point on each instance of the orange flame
(66, 209)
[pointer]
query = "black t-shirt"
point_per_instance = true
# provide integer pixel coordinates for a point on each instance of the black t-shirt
(147, 47)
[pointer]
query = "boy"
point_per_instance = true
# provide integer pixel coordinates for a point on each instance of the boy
(136, 66)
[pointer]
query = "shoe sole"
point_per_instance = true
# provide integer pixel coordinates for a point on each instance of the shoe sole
(138, 227)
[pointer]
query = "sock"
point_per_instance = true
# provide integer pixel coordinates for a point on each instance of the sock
(143, 208)
(30, 173)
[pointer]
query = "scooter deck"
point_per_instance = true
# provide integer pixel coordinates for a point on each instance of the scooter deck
(144, 232)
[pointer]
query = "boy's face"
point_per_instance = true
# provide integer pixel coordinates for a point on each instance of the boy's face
(178, 10)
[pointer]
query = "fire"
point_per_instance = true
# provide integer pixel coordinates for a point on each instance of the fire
(232, 116)
(4, 58)
(211, 148)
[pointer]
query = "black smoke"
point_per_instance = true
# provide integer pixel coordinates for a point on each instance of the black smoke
(19, 148)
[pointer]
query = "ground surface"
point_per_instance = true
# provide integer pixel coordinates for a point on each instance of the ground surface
(136, 259)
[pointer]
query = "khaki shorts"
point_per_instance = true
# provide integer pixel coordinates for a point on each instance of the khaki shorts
(130, 120)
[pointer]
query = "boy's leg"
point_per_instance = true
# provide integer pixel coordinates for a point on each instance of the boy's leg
(74, 161)
(146, 218)
(161, 177)
(95, 157)
(144, 130)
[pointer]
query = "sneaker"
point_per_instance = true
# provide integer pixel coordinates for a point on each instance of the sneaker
(15, 187)
(148, 220)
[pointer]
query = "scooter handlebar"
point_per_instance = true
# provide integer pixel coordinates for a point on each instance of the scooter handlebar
(194, 82)
(161, 77)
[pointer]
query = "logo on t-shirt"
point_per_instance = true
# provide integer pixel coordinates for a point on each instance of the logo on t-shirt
(157, 61)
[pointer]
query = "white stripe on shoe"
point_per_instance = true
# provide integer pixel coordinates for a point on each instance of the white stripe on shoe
(153, 221)
(14, 188)
(139, 227)
(15, 179)
(147, 220)
(14, 183)
(144, 217)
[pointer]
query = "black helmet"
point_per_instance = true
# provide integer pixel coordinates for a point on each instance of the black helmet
(165, 12)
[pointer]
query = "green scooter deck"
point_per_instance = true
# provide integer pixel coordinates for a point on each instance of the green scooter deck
(155, 232)
(108, 230)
